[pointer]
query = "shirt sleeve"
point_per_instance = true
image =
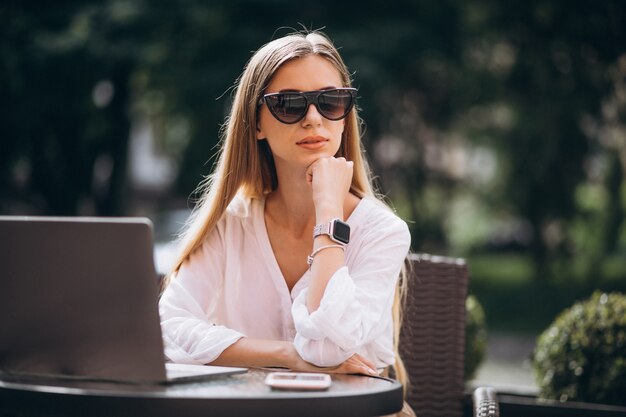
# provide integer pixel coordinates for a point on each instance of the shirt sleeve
(187, 307)
(356, 306)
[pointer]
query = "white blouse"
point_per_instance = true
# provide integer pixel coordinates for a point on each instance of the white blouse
(232, 287)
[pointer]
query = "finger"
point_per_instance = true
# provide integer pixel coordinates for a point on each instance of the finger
(309, 171)
(350, 366)
(369, 371)
(363, 359)
(369, 363)
(310, 166)
(366, 362)
(362, 369)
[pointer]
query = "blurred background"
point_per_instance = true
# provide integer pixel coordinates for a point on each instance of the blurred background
(496, 129)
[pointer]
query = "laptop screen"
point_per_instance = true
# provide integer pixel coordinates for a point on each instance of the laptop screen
(78, 296)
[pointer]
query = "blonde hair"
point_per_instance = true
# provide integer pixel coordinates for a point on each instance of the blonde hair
(245, 165)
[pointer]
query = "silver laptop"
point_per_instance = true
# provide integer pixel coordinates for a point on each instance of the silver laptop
(79, 300)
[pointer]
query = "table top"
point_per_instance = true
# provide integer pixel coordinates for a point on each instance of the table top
(235, 395)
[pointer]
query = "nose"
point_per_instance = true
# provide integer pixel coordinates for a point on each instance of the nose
(312, 116)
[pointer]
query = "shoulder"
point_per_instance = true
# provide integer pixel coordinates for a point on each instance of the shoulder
(240, 207)
(239, 217)
(243, 210)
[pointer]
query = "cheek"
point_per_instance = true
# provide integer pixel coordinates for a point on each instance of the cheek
(338, 129)
(265, 124)
(277, 133)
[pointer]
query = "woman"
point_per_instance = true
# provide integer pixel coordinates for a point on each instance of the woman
(289, 260)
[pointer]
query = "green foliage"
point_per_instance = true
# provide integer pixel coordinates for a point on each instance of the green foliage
(582, 355)
(490, 125)
(475, 336)
(65, 98)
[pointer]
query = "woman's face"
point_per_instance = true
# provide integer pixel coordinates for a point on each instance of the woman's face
(300, 144)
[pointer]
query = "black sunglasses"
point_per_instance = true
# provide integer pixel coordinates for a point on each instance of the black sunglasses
(291, 107)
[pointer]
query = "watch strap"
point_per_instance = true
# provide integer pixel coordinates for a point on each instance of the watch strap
(323, 229)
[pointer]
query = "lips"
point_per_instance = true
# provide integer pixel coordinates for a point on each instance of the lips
(311, 140)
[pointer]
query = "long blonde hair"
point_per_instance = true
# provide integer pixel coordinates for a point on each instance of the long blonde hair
(245, 164)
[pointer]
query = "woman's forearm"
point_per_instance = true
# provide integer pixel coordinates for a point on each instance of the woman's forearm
(252, 353)
(327, 261)
(325, 264)
(255, 353)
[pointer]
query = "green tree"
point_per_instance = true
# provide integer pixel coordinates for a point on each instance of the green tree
(528, 81)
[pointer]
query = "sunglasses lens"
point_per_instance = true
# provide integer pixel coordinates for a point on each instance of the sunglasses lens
(292, 107)
(288, 108)
(335, 104)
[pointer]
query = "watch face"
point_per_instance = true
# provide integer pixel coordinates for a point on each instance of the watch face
(341, 232)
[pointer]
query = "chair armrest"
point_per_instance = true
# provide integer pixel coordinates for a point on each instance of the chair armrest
(485, 402)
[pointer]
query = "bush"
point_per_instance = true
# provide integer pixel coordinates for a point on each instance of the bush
(475, 336)
(582, 355)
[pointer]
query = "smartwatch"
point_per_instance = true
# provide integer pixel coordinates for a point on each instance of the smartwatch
(337, 230)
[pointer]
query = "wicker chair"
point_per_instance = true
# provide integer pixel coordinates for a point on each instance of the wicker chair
(432, 339)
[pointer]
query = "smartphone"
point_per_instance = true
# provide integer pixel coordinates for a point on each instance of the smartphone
(298, 381)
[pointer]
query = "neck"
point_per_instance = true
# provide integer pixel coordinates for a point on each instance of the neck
(291, 204)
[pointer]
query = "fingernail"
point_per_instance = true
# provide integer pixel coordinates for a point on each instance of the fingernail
(372, 372)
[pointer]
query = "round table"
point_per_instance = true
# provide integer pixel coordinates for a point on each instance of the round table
(235, 395)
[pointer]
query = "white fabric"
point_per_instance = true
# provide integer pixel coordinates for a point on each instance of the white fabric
(232, 287)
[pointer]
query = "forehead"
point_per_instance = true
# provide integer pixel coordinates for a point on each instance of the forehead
(305, 74)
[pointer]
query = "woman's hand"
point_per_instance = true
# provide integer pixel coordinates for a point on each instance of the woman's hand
(330, 178)
(356, 364)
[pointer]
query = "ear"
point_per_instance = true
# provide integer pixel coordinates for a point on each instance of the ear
(259, 133)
